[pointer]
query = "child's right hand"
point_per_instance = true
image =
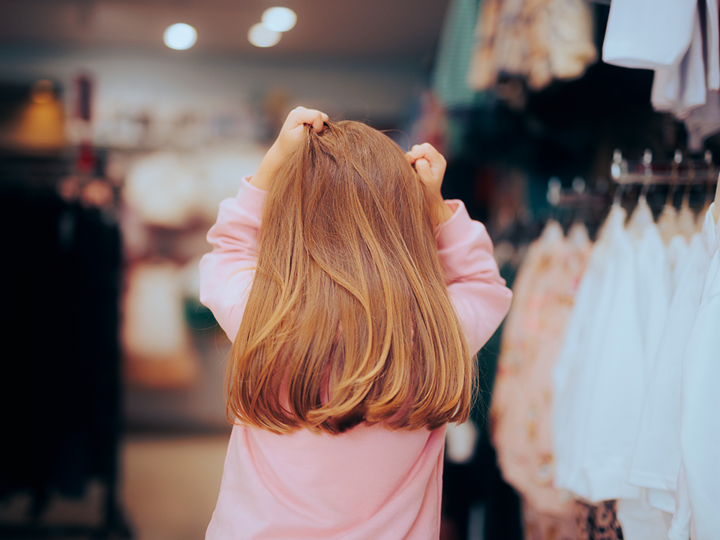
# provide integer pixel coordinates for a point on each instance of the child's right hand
(430, 167)
(289, 136)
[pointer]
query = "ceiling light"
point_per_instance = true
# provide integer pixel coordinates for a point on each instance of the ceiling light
(280, 19)
(180, 36)
(261, 36)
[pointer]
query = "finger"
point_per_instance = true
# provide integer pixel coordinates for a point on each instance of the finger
(415, 152)
(301, 115)
(410, 158)
(422, 166)
(318, 123)
(425, 150)
(429, 153)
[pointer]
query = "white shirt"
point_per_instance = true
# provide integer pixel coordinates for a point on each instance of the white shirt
(678, 252)
(700, 420)
(648, 34)
(596, 378)
(638, 520)
(656, 458)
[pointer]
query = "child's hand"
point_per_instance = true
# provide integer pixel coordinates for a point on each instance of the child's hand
(290, 133)
(430, 166)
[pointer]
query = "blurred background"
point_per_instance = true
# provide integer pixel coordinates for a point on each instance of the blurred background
(123, 124)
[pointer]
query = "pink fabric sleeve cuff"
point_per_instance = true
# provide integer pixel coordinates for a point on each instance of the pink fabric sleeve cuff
(454, 227)
(253, 198)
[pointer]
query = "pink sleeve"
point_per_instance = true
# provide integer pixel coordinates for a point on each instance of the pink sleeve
(226, 273)
(476, 289)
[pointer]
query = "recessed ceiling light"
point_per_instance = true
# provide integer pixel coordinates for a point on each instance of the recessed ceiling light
(280, 19)
(180, 36)
(261, 36)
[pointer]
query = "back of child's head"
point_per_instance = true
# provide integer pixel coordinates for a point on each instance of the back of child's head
(348, 319)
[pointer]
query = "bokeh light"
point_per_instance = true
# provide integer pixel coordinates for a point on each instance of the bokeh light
(180, 36)
(261, 36)
(279, 19)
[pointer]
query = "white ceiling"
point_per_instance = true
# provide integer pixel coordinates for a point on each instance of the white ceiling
(362, 29)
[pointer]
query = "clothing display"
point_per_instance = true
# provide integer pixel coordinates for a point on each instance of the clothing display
(610, 362)
(539, 40)
(60, 385)
(522, 398)
(584, 134)
(635, 363)
(285, 485)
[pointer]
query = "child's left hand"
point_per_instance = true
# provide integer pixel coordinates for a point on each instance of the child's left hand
(430, 166)
(290, 133)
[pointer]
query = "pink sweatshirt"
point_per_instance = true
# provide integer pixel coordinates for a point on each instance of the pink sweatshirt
(371, 482)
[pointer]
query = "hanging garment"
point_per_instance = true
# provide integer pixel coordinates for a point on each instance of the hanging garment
(539, 40)
(680, 526)
(712, 44)
(522, 396)
(653, 285)
(667, 223)
(640, 34)
(668, 40)
(598, 374)
(656, 457)
(61, 387)
(597, 522)
(567, 415)
(678, 252)
(703, 122)
(541, 526)
(700, 410)
(639, 520)
(682, 87)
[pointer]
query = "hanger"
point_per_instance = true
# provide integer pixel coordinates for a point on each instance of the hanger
(716, 204)
(673, 178)
(686, 218)
(647, 173)
(618, 169)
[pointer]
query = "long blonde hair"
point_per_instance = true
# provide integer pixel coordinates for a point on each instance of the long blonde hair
(348, 319)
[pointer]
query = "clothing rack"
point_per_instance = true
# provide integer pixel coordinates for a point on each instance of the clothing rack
(64, 389)
(676, 171)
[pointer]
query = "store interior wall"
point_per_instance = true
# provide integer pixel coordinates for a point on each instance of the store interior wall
(372, 90)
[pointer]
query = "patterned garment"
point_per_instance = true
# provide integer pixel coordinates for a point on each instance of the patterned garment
(597, 522)
(540, 526)
(539, 40)
(521, 409)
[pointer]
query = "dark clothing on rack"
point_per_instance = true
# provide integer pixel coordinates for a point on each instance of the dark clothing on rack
(59, 380)
(480, 480)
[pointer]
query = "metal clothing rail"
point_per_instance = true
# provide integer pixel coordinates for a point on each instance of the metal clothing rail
(677, 171)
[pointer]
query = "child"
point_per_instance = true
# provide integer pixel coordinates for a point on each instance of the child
(355, 297)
